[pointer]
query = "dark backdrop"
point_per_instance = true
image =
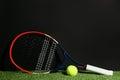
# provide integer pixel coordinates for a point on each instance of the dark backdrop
(89, 30)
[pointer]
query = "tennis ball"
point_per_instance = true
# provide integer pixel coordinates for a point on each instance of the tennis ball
(72, 70)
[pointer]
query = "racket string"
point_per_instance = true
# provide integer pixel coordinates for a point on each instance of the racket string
(50, 56)
(42, 54)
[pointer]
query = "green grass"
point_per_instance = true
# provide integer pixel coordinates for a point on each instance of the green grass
(7, 75)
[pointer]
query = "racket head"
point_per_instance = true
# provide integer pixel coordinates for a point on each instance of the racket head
(36, 53)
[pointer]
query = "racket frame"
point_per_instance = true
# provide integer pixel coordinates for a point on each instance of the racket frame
(16, 38)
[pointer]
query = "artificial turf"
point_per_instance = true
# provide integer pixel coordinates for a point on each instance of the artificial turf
(7, 75)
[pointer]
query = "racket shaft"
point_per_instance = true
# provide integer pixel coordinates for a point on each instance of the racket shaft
(99, 70)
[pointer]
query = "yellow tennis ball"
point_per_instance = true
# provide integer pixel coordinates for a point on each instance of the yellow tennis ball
(72, 70)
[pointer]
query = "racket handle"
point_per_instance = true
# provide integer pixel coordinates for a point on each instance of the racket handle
(99, 70)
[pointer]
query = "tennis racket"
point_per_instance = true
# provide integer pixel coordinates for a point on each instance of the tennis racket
(35, 52)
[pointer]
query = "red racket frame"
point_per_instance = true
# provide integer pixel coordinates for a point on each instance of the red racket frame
(13, 42)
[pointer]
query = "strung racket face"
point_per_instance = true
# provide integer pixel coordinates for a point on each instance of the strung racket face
(35, 52)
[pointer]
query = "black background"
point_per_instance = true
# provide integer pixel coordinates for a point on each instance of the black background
(89, 30)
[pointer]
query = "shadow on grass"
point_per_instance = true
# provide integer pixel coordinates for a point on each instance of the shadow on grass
(88, 72)
(83, 72)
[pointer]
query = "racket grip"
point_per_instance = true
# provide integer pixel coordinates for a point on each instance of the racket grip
(99, 70)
